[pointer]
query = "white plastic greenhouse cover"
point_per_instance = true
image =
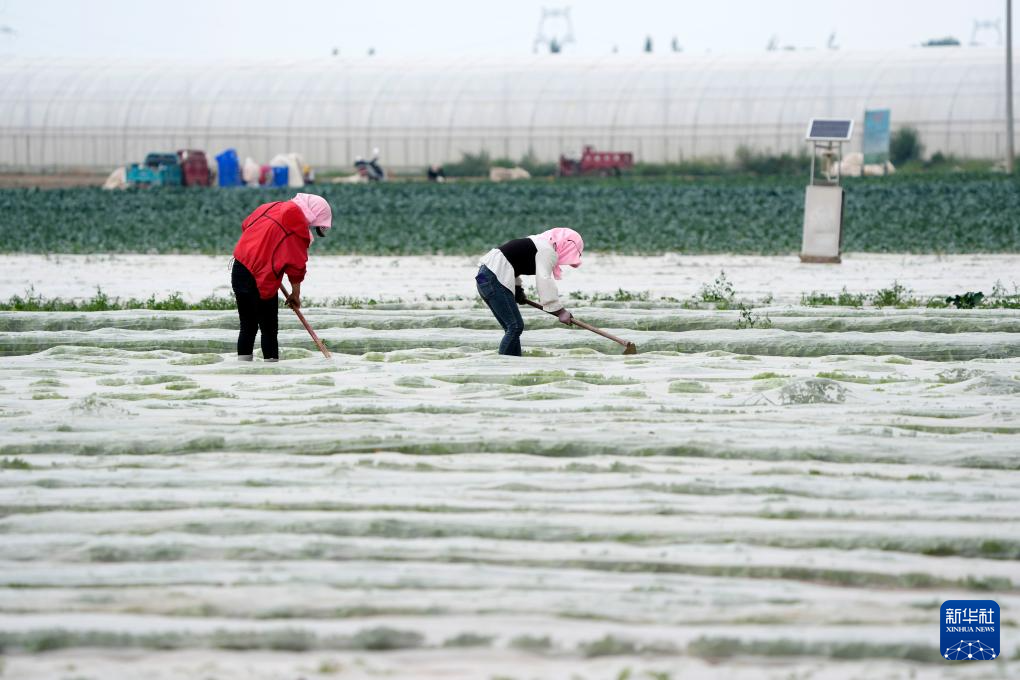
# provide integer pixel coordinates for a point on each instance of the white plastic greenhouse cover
(72, 113)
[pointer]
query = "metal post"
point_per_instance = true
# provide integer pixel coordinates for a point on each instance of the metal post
(1010, 154)
(839, 165)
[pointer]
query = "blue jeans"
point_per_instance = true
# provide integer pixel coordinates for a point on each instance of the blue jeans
(503, 306)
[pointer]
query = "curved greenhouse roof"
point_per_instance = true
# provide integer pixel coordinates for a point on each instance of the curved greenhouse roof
(73, 113)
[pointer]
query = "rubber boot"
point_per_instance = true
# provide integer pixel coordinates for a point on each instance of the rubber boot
(271, 361)
(245, 357)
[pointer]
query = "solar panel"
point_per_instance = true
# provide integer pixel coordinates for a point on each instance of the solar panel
(830, 130)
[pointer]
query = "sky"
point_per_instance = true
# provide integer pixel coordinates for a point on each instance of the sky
(248, 29)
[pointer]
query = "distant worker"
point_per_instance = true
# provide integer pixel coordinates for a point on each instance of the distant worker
(274, 241)
(436, 174)
(370, 170)
(499, 279)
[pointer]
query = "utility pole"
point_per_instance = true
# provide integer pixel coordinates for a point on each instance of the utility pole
(1010, 153)
(556, 42)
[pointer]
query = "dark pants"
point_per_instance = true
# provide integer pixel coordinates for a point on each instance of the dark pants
(503, 306)
(256, 314)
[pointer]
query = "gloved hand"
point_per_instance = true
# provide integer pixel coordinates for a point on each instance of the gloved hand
(564, 316)
(519, 296)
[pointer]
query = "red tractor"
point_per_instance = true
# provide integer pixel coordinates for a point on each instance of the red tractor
(592, 162)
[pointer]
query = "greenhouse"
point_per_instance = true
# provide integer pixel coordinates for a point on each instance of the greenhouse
(59, 113)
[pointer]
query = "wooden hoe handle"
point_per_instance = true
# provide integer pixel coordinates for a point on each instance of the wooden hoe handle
(304, 322)
(587, 327)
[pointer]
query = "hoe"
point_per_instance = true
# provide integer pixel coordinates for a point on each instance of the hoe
(629, 347)
(301, 318)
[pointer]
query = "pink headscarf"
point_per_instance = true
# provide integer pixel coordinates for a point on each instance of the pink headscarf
(316, 211)
(568, 244)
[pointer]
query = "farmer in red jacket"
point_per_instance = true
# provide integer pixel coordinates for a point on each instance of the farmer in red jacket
(274, 241)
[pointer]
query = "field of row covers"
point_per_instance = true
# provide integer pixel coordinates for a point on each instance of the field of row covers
(782, 500)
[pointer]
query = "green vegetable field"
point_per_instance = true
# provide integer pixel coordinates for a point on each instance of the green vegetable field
(950, 213)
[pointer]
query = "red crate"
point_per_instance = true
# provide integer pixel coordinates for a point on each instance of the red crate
(195, 168)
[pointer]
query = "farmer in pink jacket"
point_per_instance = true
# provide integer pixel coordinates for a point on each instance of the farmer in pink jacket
(499, 278)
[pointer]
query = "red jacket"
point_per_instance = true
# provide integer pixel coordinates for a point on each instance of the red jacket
(274, 241)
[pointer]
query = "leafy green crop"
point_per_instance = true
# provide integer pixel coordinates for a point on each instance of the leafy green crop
(950, 213)
(101, 302)
(968, 300)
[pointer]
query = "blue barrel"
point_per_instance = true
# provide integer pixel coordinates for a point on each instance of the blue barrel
(280, 176)
(229, 169)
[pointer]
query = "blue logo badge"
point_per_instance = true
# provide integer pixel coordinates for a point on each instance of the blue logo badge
(970, 630)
